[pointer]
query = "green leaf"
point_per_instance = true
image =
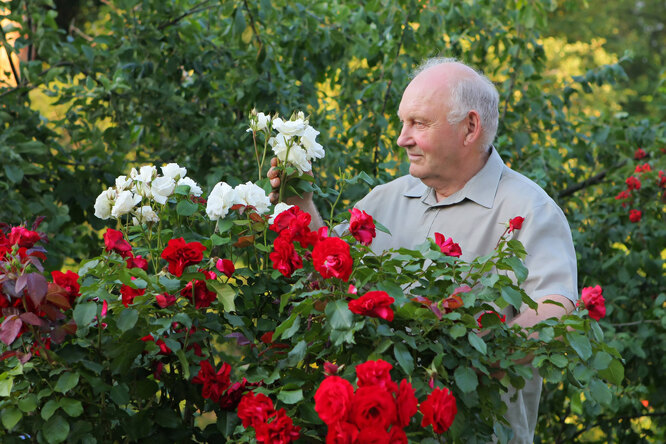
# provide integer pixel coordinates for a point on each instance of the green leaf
(297, 354)
(56, 429)
(466, 379)
(580, 344)
(66, 382)
(72, 407)
(127, 319)
(518, 268)
(614, 373)
(183, 362)
(120, 394)
(600, 392)
(546, 334)
(10, 417)
(14, 173)
(6, 386)
(512, 296)
(49, 408)
(290, 396)
(186, 208)
(457, 331)
(338, 315)
(84, 313)
(28, 403)
(558, 360)
(404, 357)
(477, 342)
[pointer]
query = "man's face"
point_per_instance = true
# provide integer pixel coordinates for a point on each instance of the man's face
(433, 145)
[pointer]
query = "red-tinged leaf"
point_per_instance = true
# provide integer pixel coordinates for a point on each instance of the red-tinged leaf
(9, 288)
(24, 357)
(57, 296)
(52, 312)
(8, 354)
(58, 335)
(235, 207)
(34, 260)
(244, 241)
(256, 217)
(37, 287)
(31, 318)
(70, 327)
(21, 283)
(10, 329)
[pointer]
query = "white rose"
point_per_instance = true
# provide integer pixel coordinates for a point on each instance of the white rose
(220, 200)
(123, 183)
(258, 122)
(161, 188)
(174, 171)
(145, 214)
(104, 202)
(194, 188)
(145, 174)
(253, 195)
(313, 149)
(297, 155)
(279, 208)
(124, 203)
(289, 127)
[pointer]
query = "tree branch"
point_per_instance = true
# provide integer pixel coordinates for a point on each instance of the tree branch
(629, 324)
(589, 181)
(9, 57)
(198, 8)
(252, 25)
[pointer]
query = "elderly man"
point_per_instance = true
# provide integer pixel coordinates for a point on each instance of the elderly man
(459, 186)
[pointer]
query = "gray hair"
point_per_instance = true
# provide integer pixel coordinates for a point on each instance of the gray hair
(470, 93)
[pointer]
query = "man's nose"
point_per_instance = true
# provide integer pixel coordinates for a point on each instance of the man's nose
(405, 138)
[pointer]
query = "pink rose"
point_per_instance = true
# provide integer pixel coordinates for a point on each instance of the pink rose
(361, 226)
(594, 302)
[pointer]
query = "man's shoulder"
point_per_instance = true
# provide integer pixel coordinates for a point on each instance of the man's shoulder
(401, 184)
(514, 185)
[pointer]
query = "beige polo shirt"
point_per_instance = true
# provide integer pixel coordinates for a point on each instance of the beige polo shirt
(475, 217)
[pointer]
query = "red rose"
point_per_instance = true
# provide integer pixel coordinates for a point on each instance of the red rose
(633, 183)
(294, 225)
(114, 241)
(165, 300)
(639, 154)
(226, 267)
(373, 407)
(622, 195)
(197, 291)
(180, 254)
(594, 302)
(398, 436)
(129, 293)
(485, 314)
(645, 168)
(447, 246)
(69, 282)
(214, 383)
(23, 237)
(284, 256)
(331, 258)
(361, 226)
(439, 409)
(164, 349)
(137, 262)
(376, 304)
(635, 215)
(375, 373)
(662, 179)
(516, 223)
(230, 400)
(407, 404)
(254, 409)
(333, 399)
(278, 429)
(373, 435)
(342, 433)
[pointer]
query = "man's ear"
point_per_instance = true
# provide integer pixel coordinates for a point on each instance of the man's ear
(472, 128)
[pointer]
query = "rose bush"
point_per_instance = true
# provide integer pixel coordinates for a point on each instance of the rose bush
(223, 318)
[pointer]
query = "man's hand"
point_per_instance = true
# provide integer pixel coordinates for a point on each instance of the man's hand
(304, 201)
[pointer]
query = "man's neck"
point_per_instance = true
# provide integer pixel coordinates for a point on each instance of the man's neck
(446, 190)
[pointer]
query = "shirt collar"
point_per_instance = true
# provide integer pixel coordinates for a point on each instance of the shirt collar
(481, 188)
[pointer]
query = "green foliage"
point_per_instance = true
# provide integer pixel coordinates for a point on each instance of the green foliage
(153, 81)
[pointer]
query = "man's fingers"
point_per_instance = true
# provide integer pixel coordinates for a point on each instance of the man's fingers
(274, 196)
(274, 161)
(275, 183)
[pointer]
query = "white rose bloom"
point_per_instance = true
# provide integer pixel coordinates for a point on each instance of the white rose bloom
(194, 188)
(262, 121)
(104, 202)
(297, 154)
(312, 147)
(220, 200)
(123, 183)
(161, 188)
(145, 173)
(124, 203)
(279, 208)
(253, 195)
(145, 214)
(174, 171)
(289, 127)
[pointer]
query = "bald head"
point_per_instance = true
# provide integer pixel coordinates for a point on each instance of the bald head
(465, 89)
